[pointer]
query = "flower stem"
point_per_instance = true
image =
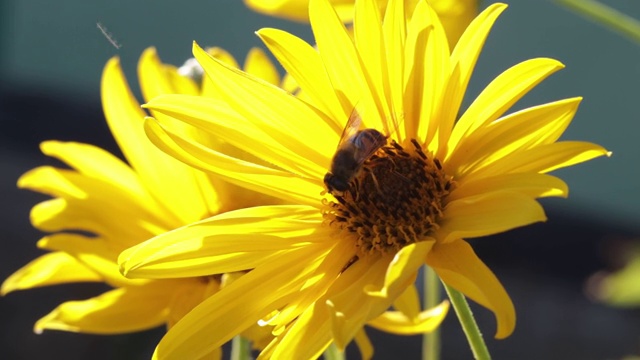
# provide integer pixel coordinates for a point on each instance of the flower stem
(333, 353)
(607, 16)
(240, 348)
(431, 289)
(471, 330)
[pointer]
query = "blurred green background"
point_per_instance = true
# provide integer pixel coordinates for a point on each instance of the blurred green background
(51, 58)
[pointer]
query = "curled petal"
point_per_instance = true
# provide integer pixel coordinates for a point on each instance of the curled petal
(49, 269)
(459, 267)
(117, 311)
(398, 323)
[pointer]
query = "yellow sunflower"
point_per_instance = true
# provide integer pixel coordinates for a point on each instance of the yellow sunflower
(121, 205)
(454, 15)
(413, 181)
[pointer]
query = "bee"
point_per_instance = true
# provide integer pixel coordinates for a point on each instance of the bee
(354, 148)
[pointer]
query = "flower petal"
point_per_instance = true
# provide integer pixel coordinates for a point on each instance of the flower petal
(216, 118)
(543, 159)
(84, 201)
(522, 130)
(95, 253)
(459, 267)
(466, 52)
(396, 322)
(428, 53)
(258, 64)
(501, 94)
(232, 241)
(408, 302)
(342, 63)
(369, 39)
(304, 64)
(533, 185)
(95, 162)
(364, 345)
(402, 270)
(241, 304)
(264, 180)
(273, 110)
(487, 214)
(394, 31)
(160, 173)
(49, 269)
(116, 311)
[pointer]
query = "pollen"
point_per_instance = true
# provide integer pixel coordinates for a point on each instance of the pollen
(396, 199)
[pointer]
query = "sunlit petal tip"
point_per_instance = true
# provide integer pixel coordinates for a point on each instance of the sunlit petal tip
(150, 53)
(51, 322)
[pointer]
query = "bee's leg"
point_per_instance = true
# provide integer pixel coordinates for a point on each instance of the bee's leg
(375, 181)
(349, 263)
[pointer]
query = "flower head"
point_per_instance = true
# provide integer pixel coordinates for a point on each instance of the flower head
(102, 206)
(416, 181)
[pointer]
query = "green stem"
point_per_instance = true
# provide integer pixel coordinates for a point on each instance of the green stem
(471, 330)
(333, 353)
(431, 289)
(607, 16)
(240, 348)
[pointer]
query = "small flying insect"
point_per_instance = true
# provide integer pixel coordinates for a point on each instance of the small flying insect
(354, 148)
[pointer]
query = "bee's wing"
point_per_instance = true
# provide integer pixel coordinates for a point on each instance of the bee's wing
(352, 127)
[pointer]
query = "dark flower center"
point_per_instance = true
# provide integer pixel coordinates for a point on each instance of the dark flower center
(395, 200)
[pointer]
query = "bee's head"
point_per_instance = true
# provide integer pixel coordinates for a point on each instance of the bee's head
(335, 185)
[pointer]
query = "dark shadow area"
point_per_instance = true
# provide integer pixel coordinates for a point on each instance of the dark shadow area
(543, 266)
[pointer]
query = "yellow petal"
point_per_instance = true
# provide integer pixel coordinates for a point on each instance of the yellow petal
(533, 185)
(543, 158)
(161, 174)
(269, 181)
(519, 131)
(394, 32)
(487, 214)
(232, 241)
(49, 269)
(116, 311)
(459, 267)
(272, 110)
(396, 322)
(215, 117)
(455, 16)
(342, 62)
(364, 345)
(288, 9)
(259, 65)
(317, 285)
(98, 164)
(403, 269)
(304, 64)
(155, 80)
(297, 10)
(95, 253)
(428, 53)
(504, 91)
(466, 52)
(339, 315)
(95, 162)
(408, 302)
(83, 204)
(241, 304)
(371, 46)
(354, 305)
